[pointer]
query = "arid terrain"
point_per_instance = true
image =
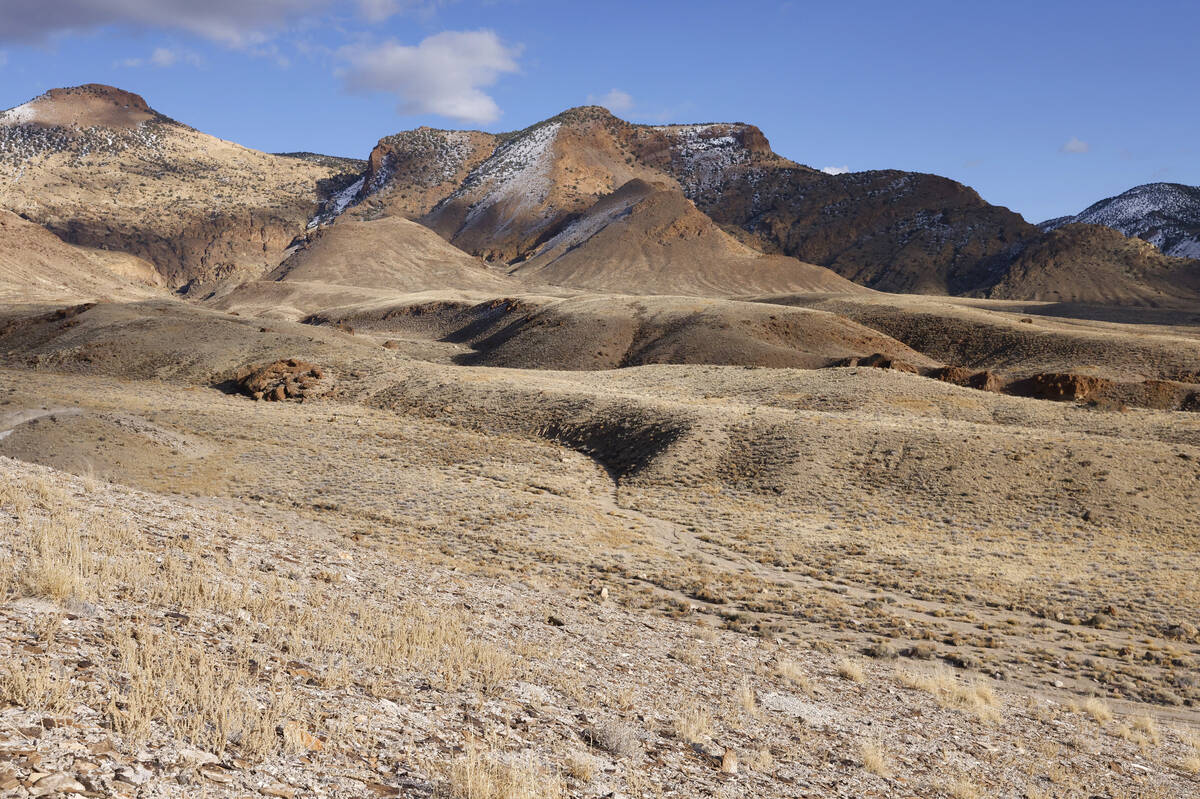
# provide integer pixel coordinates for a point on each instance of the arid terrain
(541, 465)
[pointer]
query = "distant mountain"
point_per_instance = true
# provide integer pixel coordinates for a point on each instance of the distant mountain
(1165, 214)
(99, 167)
(583, 200)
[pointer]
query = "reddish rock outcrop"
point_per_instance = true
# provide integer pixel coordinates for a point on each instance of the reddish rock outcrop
(1060, 387)
(878, 361)
(962, 376)
(281, 380)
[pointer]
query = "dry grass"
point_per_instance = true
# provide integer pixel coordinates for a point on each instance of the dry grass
(479, 776)
(1146, 726)
(875, 758)
(791, 671)
(694, 723)
(851, 670)
(216, 698)
(35, 684)
(747, 699)
(1191, 762)
(581, 765)
(762, 761)
(206, 701)
(1142, 732)
(1098, 709)
(614, 737)
(975, 695)
(962, 789)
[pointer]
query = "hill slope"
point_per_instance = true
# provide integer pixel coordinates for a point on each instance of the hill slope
(1094, 264)
(368, 265)
(99, 167)
(37, 266)
(1165, 214)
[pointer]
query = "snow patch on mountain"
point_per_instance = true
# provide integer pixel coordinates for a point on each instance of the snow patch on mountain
(702, 153)
(444, 150)
(21, 115)
(22, 143)
(337, 203)
(579, 231)
(1186, 248)
(517, 175)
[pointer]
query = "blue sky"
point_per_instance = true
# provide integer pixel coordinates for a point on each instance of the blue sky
(1042, 107)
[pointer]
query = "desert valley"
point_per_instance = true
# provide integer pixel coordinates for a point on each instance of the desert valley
(594, 459)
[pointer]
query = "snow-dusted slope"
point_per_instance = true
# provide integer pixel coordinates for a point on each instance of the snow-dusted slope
(1165, 214)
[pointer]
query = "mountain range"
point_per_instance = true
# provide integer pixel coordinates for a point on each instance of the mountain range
(582, 200)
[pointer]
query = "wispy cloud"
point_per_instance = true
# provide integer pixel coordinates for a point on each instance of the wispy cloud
(614, 100)
(1075, 145)
(163, 57)
(835, 170)
(445, 74)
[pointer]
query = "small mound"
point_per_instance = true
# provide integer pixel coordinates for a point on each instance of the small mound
(390, 255)
(877, 361)
(107, 446)
(1059, 387)
(968, 378)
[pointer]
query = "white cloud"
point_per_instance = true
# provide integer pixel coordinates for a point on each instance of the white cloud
(614, 100)
(835, 170)
(1075, 145)
(379, 10)
(162, 57)
(445, 74)
(237, 23)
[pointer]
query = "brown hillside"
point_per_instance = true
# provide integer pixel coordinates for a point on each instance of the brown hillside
(891, 230)
(37, 266)
(534, 182)
(649, 239)
(365, 265)
(1095, 264)
(389, 254)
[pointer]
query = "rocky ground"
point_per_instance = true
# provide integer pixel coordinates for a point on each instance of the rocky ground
(163, 646)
